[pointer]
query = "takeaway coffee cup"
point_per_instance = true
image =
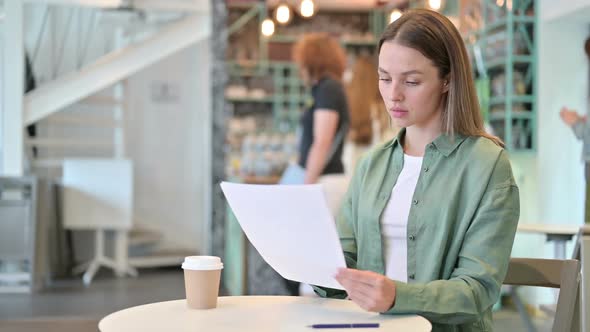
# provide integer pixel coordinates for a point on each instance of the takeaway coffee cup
(201, 281)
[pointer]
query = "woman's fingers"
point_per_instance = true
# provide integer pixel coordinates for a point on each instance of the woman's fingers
(365, 277)
(356, 288)
(362, 287)
(370, 290)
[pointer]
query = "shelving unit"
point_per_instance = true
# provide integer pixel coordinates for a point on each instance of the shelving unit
(508, 98)
(286, 97)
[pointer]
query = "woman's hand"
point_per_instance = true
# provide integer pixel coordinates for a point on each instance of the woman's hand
(570, 117)
(370, 290)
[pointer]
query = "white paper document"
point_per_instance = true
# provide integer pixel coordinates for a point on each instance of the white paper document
(291, 227)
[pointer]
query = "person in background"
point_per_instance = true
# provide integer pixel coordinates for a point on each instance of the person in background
(321, 61)
(581, 128)
(429, 219)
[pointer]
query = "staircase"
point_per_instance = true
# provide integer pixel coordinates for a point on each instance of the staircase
(80, 108)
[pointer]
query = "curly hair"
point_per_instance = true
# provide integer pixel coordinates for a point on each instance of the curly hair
(320, 55)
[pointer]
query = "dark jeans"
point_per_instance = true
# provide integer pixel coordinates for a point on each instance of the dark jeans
(292, 287)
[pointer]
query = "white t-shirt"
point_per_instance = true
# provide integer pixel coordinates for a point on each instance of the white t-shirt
(394, 220)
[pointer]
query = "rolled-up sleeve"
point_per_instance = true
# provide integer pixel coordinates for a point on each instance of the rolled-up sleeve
(582, 130)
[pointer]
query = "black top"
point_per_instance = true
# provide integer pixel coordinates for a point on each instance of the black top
(327, 94)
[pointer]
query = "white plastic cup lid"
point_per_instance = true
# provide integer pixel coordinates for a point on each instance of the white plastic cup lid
(202, 263)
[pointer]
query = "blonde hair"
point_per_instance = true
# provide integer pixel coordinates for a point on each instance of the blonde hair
(362, 92)
(435, 36)
(320, 55)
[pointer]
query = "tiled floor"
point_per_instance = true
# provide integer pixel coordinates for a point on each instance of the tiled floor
(69, 306)
(106, 294)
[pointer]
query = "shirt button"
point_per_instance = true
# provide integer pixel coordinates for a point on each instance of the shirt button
(415, 202)
(412, 237)
(412, 276)
(425, 169)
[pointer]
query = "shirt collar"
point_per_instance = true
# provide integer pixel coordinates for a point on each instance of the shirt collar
(444, 143)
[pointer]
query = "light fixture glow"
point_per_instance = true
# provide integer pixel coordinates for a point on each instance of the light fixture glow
(283, 14)
(434, 4)
(500, 3)
(307, 8)
(267, 27)
(395, 14)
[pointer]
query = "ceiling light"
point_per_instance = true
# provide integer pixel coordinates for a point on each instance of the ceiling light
(307, 8)
(395, 14)
(283, 14)
(435, 4)
(268, 27)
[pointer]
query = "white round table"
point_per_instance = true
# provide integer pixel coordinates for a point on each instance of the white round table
(256, 313)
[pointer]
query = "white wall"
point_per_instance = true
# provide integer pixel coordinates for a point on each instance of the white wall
(551, 181)
(552, 185)
(554, 9)
(169, 143)
(563, 81)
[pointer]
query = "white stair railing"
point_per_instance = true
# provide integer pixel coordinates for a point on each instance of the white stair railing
(110, 69)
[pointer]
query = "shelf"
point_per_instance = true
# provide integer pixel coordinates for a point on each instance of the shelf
(283, 39)
(250, 99)
(271, 179)
(244, 63)
(512, 115)
(515, 99)
(500, 62)
(504, 21)
(268, 99)
(246, 73)
(489, 29)
(346, 42)
(241, 5)
(360, 42)
(516, 115)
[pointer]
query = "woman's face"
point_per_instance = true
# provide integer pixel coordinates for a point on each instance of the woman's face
(410, 87)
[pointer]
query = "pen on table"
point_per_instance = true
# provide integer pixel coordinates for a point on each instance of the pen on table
(344, 326)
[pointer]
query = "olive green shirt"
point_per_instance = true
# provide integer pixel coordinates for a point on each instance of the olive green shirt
(461, 228)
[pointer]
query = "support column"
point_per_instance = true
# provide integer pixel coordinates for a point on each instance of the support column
(11, 142)
(219, 115)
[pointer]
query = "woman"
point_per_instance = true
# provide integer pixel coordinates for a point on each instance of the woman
(429, 219)
(321, 61)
